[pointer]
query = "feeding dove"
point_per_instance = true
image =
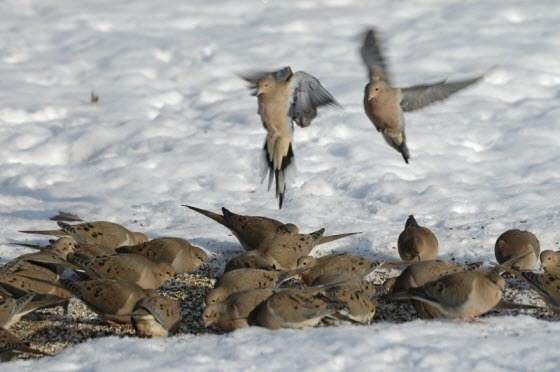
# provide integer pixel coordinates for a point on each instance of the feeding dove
(179, 253)
(514, 243)
(251, 231)
(156, 316)
(340, 263)
(233, 311)
(384, 104)
(417, 242)
(550, 261)
(285, 98)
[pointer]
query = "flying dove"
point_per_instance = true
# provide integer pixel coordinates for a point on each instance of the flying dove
(417, 242)
(233, 311)
(130, 267)
(11, 309)
(460, 295)
(242, 279)
(108, 234)
(285, 248)
(285, 98)
(550, 261)
(251, 231)
(179, 253)
(156, 316)
(384, 104)
(113, 300)
(514, 243)
(11, 346)
(340, 263)
(295, 308)
(420, 273)
(547, 285)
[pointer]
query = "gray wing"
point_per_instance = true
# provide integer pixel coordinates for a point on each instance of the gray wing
(307, 95)
(418, 96)
(254, 77)
(373, 57)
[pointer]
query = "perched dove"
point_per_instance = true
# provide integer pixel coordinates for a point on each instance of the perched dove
(550, 261)
(242, 279)
(340, 263)
(420, 273)
(547, 285)
(179, 253)
(417, 242)
(156, 317)
(11, 346)
(384, 104)
(295, 308)
(103, 233)
(251, 231)
(130, 267)
(514, 243)
(11, 310)
(285, 98)
(113, 300)
(233, 311)
(285, 248)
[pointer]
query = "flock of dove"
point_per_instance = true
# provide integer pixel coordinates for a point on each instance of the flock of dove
(276, 282)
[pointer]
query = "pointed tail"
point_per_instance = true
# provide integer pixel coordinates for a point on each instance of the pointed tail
(214, 216)
(278, 156)
(330, 238)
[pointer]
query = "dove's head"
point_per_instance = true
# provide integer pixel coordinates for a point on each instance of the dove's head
(139, 237)
(288, 228)
(216, 295)
(374, 89)
(166, 271)
(210, 315)
(305, 261)
(266, 85)
(549, 259)
(63, 245)
(198, 256)
(497, 279)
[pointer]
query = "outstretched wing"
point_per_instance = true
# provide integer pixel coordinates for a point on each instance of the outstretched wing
(254, 77)
(373, 57)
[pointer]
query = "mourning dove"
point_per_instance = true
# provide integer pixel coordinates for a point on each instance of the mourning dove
(420, 273)
(285, 98)
(460, 295)
(340, 263)
(61, 246)
(179, 253)
(547, 285)
(248, 260)
(156, 316)
(233, 311)
(11, 346)
(42, 265)
(550, 261)
(242, 279)
(11, 309)
(113, 300)
(284, 249)
(130, 267)
(356, 294)
(19, 285)
(514, 243)
(384, 104)
(251, 231)
(294, 308)
(103, 233)
(417, 242)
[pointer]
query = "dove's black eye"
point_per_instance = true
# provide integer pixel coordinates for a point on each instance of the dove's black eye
(376, 89)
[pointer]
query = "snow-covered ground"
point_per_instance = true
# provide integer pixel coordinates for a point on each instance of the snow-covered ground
(175, 125)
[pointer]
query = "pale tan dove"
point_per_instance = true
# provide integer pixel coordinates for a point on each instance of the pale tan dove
(384, 104)
(107, 234)
(113, 300)
(156, 317)
(11, 346)
(242, 279)
(39, 265)
(340, 263)
(295, 308)
(460, 295)
(285, 98)
(550, 261)
(284, 249)
(232, 312)
(11, 309)
(248, 260)
(177, 252)
(417, 243)
(547, 285)
(356, 293)
(130, 267)
(251, 231)
(514, 243)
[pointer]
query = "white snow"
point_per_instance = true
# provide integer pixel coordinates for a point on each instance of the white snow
(175, 125)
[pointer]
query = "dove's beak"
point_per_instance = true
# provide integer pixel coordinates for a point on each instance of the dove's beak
(259, 92)
(370, 97)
